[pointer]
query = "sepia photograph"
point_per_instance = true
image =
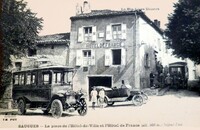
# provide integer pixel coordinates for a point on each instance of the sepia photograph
(100, 64)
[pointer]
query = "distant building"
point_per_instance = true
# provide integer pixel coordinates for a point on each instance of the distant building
(108, 46)
(51, 49)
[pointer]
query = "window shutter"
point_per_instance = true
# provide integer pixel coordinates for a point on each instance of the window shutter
(108, 57)
(80, 34)
(123, 56)
(123, 31)
(79, 58)
(94, 33)
(108, 32)
(92, 57)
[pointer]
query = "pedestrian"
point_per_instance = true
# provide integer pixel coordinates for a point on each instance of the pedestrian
(101, 97)
(168, 81)
(151, 79)
(93, 97)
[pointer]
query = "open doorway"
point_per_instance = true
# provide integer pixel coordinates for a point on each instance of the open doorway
(99, 81)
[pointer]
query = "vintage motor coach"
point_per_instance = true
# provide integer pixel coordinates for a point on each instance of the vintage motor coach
(48, 88)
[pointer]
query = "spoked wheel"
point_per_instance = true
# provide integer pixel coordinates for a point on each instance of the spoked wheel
(106, 102)
(83, 109)
(56, 108)
(21, 107)
(145, 97)
(137, 100)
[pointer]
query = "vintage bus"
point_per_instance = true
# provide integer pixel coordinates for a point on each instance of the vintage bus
(48, 88)
(179, 73)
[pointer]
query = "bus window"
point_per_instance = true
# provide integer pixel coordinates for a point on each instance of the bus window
(28, 79)
(21, 79)
(33, 79)
(57, 78)
(16, 79)
(46, 77)
(68, 77)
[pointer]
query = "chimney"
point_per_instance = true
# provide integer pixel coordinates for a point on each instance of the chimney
(157, 23)
(78, 9)
(86, 7)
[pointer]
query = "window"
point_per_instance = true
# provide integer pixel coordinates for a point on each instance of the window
(117, 31)
(88, 34)
(86, 57)
(28, 78)
(115, 57)
(116, 54)
(18, 65)
(57, 77)
(21, 79)
(32, 52)
(33, 80)
(46, 77)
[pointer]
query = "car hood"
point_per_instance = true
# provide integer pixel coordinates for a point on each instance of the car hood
(103, 87)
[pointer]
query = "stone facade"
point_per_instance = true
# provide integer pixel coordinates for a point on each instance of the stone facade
(107, 47)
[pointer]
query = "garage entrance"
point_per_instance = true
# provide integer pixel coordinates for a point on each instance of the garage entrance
(99, 81)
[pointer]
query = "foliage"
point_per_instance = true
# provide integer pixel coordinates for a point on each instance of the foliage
(19, 29)
(183, 29)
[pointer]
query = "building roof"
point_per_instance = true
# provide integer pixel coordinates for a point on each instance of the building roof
(61, 38)
(110, 13)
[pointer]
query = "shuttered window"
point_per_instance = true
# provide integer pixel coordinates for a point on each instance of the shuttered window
(115, 57)
(85, 57)
(87, 34)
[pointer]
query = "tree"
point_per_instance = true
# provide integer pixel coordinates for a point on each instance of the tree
(19, 30)
(183, 30)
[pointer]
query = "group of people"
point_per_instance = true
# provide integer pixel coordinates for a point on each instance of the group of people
(173, 80)
(97, 98)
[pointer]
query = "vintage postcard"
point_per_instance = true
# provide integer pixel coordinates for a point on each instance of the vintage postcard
(94, 64)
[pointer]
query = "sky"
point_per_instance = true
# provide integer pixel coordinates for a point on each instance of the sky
(56, 13)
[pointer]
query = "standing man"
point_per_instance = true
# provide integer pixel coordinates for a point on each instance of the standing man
(93, 97)
(101, 97)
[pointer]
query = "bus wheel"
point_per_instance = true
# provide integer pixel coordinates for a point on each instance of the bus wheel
(21, 107)
(83, 109)
(56, 108)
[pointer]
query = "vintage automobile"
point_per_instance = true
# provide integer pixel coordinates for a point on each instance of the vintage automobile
(122, 94)
(48, 88)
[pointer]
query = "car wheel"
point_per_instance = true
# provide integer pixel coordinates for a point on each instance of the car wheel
(137, 100)
(145, 97)
(21, 107)
(83, 109)
(56, 108)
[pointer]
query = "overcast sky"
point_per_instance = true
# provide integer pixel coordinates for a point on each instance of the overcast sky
(56, 13)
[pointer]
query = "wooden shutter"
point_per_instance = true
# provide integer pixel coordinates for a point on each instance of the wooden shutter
(123, 31)
(92, 57)
(123, 56)
(94, 33)
(108, 32)
(79, 57)
(108, 57)
(80, 34)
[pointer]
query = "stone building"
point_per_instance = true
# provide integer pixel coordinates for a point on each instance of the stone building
(48, 49)
(109, 46)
